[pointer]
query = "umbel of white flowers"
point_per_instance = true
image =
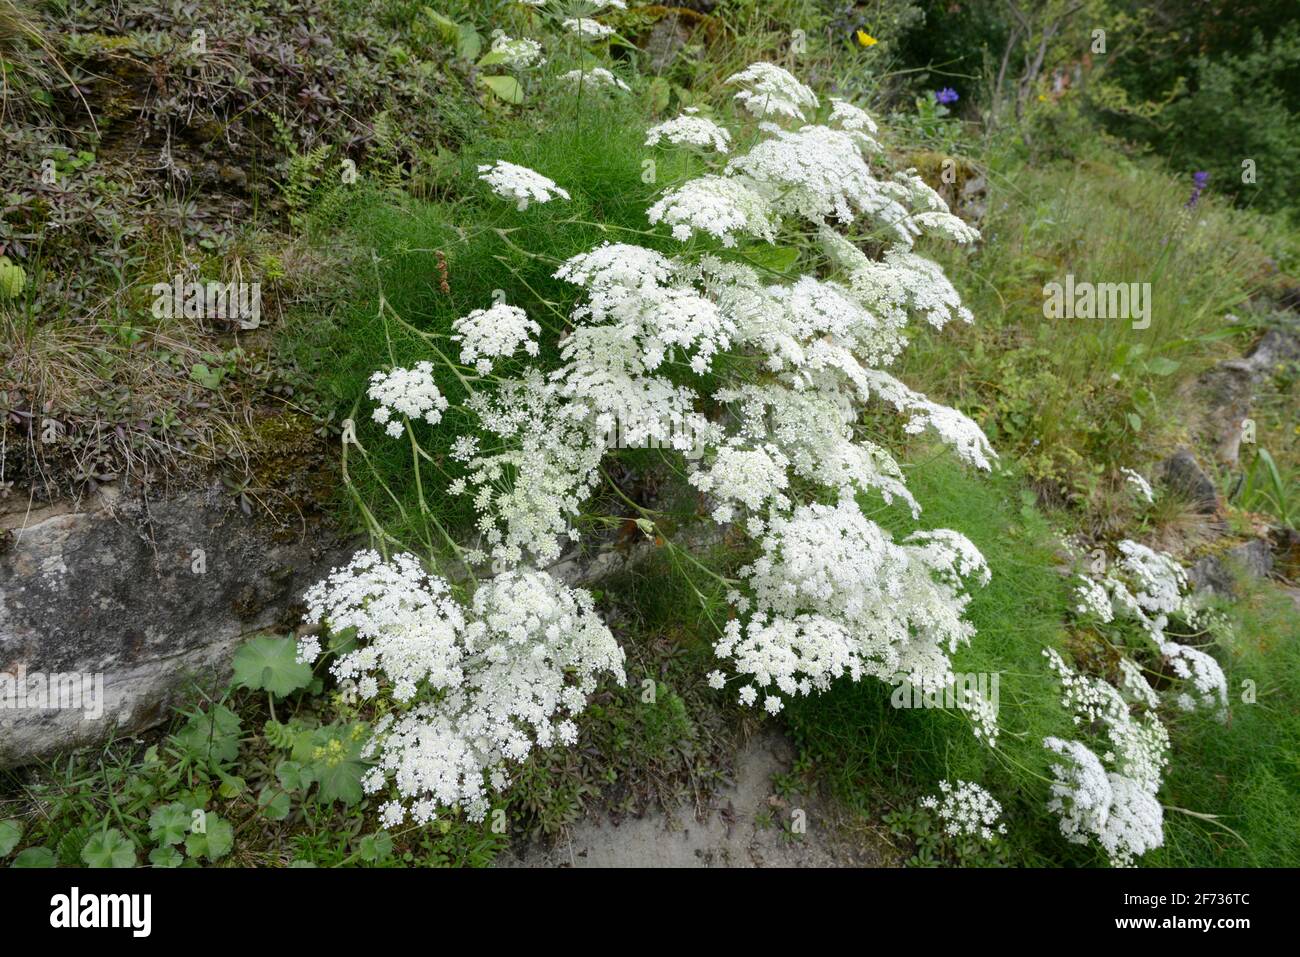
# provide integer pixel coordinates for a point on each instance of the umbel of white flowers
(1108, 777)
(470, 688)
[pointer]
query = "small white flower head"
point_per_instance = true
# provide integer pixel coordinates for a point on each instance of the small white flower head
(966, 810)
(1093, 599)
(309, 650)
(1205, 675)
(408, 392)
(722, 206)
(595, 80)
(850, 117)
(487, 334)
(817, 172)
(772, 91)
(518, 54)
(1149, 587)
(1123, 814)
(717, 680)
(1140, 484)
(833, 594)
(857, 124)
(690, 130)
(753, 477)
(618, 266)
(586, 28)
(1135, 684)
(519, 184)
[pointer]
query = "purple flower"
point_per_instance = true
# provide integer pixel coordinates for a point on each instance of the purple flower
(1200, 180)
(946, 95)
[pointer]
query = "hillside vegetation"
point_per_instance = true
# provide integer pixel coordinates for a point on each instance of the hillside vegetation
(689, 374)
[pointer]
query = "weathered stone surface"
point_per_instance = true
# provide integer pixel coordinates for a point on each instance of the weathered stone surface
(1227, 390)
(1218, 573)
(727, 829)
(667, 39)
(1276, 348)
(148, 594)
(1183, 476)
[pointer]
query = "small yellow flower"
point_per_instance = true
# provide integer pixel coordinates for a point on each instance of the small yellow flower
(866, 39)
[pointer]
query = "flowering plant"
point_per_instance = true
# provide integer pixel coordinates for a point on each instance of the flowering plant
(1108, 777)
(758, 379)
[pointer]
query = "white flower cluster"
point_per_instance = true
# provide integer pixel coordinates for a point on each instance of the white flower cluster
(519, 184)
(639, 318)
(769, 90)
(1118, 807)
(818, 172)
(517, 54)
(495, 333)
(587, 28)
(594, 79)
(408, 392)
(857, 122)
(1150, 587)
(752, 477)
(832, 594)
(690, 129)
(967, 810)
(722, 206)
(778, 432)
(1126, 819)
(1209, 684)
(1139, 483)
(475, 687)
(527, 492)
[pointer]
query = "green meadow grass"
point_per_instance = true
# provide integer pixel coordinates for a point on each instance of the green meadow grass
(1074, 399)
(1246, 771)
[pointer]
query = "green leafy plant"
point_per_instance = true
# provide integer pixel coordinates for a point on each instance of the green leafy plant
(109, 848)
(270, 664)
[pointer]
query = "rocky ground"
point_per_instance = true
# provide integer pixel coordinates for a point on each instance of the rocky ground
(748, 824)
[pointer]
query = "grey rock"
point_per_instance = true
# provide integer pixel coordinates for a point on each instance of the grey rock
(1218, 573)
(1226, 392)
(1183, 476)
(667, 39)
(1276, 348)
(731, 828)
(115, 589)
